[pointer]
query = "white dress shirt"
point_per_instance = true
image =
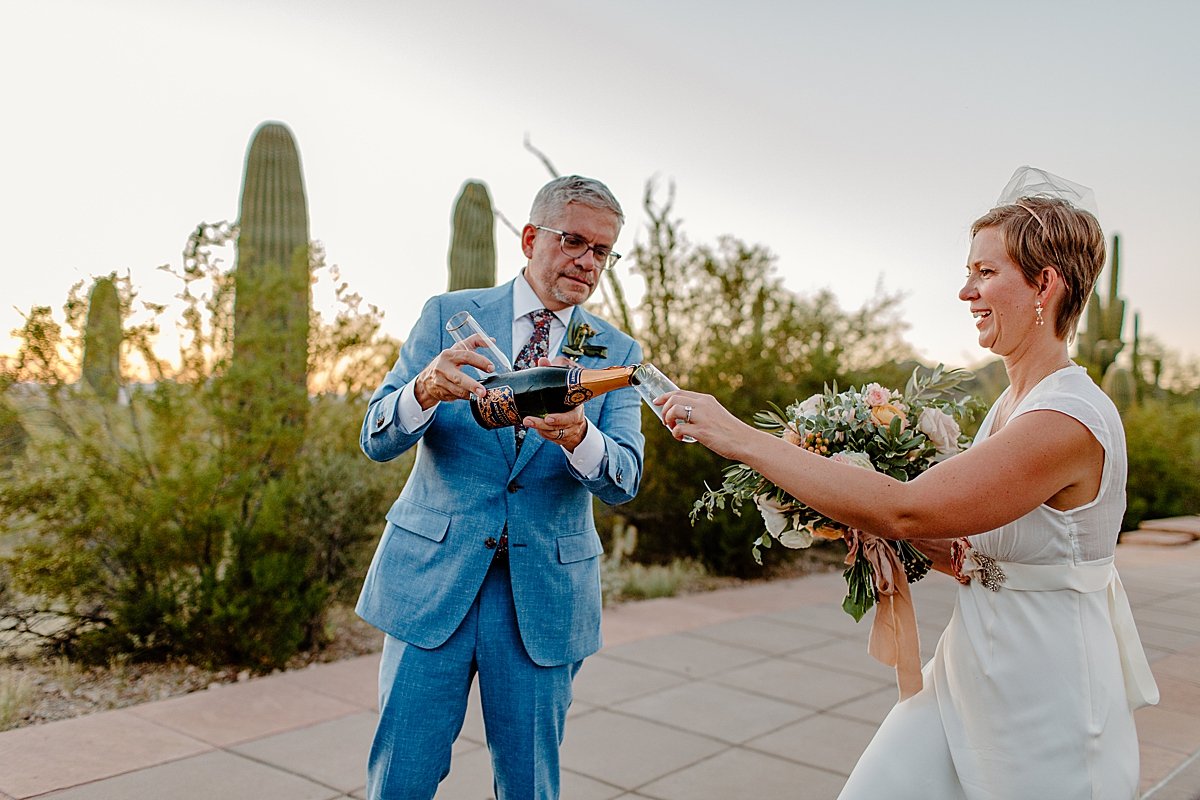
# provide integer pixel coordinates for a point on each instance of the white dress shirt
(589, 455)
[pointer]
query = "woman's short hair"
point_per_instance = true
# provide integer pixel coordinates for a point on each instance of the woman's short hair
(1049, 232)
(552, 198)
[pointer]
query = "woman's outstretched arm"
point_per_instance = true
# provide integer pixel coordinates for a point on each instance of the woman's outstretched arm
(1033, 458)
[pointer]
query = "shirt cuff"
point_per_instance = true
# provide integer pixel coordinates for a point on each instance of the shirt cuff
(589, 455)
(410, 415)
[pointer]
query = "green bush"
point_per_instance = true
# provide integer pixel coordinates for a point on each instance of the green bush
(1163, 439)
(153, 528)
(718, 320)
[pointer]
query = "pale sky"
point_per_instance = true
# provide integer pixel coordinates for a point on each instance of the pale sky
(856, 140)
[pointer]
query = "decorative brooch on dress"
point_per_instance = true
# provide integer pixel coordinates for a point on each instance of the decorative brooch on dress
(968, 563)
(577, 342)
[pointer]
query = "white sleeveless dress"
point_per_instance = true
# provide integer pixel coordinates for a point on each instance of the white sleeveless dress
(1031, 690)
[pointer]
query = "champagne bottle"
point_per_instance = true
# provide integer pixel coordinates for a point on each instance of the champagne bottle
(538, 391)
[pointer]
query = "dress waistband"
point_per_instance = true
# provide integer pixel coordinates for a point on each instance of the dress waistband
(1084, 578)
(1140, 688)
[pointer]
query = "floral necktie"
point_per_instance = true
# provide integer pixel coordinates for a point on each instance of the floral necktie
(537, 347)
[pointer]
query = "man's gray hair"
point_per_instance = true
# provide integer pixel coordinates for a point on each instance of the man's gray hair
(553, 198)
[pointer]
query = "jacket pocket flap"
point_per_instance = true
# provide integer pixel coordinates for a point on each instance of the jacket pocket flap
(579, 546)
(412, 516)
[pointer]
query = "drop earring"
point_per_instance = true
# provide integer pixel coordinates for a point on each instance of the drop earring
(1037, 309)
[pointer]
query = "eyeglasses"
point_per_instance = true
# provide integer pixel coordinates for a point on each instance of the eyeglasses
(576, 246)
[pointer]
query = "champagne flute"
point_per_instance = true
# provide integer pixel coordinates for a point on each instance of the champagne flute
(462, 325)
(651, 383)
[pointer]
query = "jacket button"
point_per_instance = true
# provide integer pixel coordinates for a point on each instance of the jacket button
(490, 542)
(513, 486)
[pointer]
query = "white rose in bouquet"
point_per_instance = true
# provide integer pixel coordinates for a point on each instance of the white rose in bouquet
(812, 406)
(860, 460)
(773, 514)
(778, 519)
(941, 429)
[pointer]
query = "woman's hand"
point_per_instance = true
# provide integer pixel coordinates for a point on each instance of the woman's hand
(703, 418)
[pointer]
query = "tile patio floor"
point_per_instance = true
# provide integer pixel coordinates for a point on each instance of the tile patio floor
(714, 696)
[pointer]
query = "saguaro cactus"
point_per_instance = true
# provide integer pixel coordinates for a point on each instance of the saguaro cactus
(1101, 341)
(272, 294)
(1120, 386)
(102, 340)
(473, 239)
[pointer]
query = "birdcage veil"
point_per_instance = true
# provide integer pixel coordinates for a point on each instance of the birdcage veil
(1033, 182)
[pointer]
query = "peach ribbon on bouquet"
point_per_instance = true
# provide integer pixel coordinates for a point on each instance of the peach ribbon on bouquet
(894, 638)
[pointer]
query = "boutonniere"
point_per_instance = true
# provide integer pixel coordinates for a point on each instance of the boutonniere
(577, 342)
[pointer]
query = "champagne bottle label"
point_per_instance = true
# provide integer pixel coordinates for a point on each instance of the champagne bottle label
(499, 408)
(577, 393)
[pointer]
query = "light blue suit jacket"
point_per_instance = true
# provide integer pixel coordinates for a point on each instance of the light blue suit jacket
(468, 484)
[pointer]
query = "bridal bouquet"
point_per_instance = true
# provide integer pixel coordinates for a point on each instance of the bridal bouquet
(901, 434)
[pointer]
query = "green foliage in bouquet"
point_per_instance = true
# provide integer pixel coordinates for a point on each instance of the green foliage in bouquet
(900, 434)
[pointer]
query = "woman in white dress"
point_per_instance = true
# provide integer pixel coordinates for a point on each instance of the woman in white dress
(1031, 691)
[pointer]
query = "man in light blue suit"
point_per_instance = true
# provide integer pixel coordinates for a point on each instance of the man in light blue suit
(489, 562)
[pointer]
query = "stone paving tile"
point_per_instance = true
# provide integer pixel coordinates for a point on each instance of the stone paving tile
(580, 787)
(1166, 638)
(764, 596)
(203, 777)
(824, 617)
(1167, 618)
(1173, 730)
(1183, 783)
(354, 681)
(1157, 765)
(1154, 654)
(1184, 665)
(823, 741)
(740, 773)
(768, 636)
(629, 752)
(331, 753)
(1179, 693)
(633, 622)
(871, 707)
(226, 715)
(55, 755)
(848, 656)
(722, 712)
(606, 681)
(470, 777)
(1189, 606)
(686, 655)
(801, 683)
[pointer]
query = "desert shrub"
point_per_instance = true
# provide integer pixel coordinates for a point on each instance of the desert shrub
(1163, 439)
(717, 319)
(155, 527)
